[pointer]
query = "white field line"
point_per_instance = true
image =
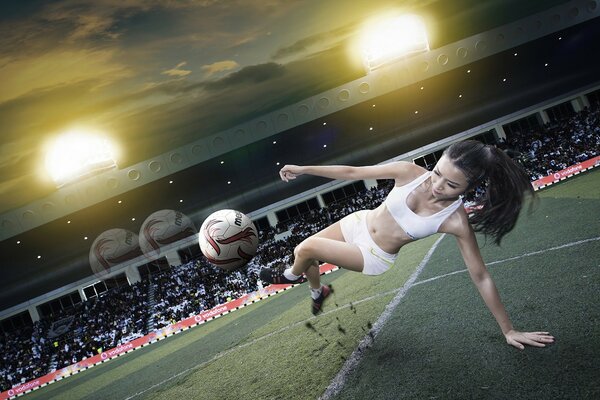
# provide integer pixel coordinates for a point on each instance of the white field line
(367, 340)
(533, 253)
(352, 362)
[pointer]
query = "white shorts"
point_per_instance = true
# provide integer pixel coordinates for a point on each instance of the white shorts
(355, 231)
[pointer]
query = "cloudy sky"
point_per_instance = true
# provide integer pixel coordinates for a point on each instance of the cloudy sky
(156, 74)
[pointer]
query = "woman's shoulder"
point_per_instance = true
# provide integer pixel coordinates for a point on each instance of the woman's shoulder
(408, 172)
(457, 223)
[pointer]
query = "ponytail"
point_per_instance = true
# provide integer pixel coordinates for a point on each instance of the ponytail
(504, 182)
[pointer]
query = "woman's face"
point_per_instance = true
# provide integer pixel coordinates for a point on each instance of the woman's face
(447, 181)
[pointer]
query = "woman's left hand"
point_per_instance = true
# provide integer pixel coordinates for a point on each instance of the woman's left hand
(520, 339)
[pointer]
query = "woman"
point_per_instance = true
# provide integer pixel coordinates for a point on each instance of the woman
(420, 204)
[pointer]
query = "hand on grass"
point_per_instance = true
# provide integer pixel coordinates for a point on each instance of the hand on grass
(520, 339)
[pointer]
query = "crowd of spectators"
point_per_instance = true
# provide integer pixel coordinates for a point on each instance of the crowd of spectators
(23, 356)
(116, 316)
(558, 144)
(193, 287)
(103, 322)
(124, 313)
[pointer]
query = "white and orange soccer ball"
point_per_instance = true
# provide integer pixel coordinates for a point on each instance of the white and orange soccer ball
(162, 228)
(111, 248)
(228, 239)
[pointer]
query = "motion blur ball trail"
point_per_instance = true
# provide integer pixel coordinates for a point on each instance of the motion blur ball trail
(162, 228)
(111, 248)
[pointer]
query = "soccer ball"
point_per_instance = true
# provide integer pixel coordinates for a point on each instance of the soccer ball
(113, 247)
(164, 227)
(228, 239)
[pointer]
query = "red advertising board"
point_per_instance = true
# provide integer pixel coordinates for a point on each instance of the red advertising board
(565, 173)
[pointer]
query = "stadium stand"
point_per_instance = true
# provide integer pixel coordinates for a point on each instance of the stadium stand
(124, 313)
(193, 287)
(558, 145)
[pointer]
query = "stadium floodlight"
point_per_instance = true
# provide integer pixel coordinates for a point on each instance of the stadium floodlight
(388, 39)
(77, 154)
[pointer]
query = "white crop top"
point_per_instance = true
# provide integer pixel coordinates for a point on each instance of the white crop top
(416, 226)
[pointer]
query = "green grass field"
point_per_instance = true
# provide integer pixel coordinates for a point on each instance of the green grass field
(439, 342)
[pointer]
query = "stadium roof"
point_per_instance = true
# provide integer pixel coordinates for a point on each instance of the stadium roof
(207, 95)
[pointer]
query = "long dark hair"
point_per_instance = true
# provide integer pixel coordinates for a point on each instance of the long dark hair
(505, 185)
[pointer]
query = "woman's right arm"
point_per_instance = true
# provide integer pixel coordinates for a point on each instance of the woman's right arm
(395, 170)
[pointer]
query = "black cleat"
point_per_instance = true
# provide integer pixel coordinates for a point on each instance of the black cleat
(275, 276)
(318, 303)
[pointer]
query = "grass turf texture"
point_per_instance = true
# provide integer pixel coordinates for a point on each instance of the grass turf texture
(441, 341)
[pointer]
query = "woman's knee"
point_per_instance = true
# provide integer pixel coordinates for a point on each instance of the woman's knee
(305, 249)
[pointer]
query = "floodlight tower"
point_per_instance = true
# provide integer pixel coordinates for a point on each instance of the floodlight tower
(388, 39)
(78, 154)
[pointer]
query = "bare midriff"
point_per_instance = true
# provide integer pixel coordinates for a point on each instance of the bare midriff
(385, 231)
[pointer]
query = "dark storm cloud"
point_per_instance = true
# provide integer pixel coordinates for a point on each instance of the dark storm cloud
(28, 27)
(248, 75)
(51, 25)
(41, 111)
(10, 10)
(308, 44)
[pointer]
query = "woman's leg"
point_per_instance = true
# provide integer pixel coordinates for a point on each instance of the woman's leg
(329, 246)
(313, 274)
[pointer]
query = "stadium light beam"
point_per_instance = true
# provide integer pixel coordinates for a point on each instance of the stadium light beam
(388, 39)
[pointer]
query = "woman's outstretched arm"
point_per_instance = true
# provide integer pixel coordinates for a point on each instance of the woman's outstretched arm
(394, 170)
(488, 291)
